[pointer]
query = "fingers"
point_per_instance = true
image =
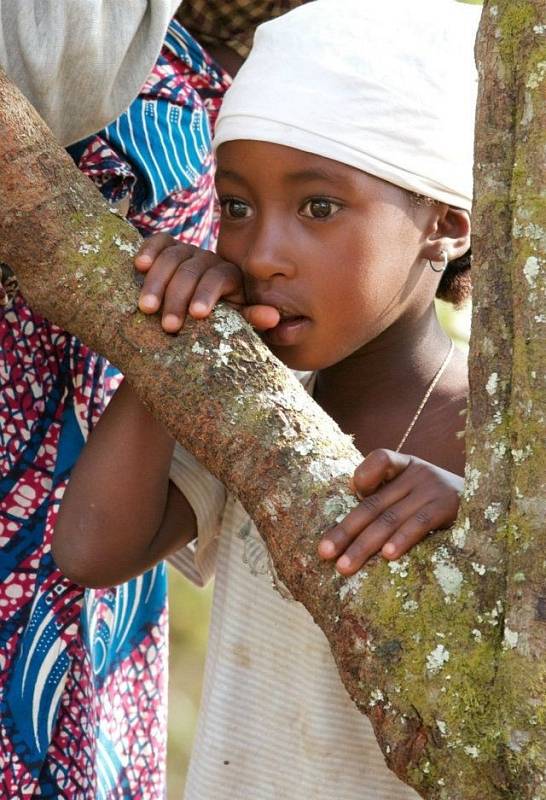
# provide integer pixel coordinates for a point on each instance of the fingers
(167, 259)
(365, 530)
(396, 531)
(222, 280)
(183, 279)
(396, 515)
(367, 544)
(151, 248)
(376, 495)
(430, 517)
(197, 287)
(377, 467)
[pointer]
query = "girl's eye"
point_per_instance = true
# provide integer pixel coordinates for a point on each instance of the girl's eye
(234, 209)
(319, 208)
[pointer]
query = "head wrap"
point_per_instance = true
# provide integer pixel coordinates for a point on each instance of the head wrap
(387, 86)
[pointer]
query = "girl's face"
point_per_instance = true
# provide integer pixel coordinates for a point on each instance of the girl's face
(335, 250)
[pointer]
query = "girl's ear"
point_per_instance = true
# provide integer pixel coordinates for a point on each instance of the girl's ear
(451, 233)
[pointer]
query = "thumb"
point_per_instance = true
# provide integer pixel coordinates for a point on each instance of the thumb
(262, 318)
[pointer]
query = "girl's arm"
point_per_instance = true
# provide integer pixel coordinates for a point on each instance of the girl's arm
(120, 514)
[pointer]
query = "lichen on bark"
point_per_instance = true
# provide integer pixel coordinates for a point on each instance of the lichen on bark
(516, 430)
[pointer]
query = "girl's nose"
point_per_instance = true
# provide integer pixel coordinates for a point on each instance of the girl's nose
(267, 255)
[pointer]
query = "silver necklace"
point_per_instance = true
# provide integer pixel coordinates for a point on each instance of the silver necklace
(428, 392)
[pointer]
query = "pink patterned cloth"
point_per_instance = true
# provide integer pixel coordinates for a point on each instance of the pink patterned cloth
(82, 673)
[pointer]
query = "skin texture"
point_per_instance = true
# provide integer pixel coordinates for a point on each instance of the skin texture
(327, 241)
(134, 517)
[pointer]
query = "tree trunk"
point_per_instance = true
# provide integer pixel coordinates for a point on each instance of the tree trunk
(506, 429)
(444, 649)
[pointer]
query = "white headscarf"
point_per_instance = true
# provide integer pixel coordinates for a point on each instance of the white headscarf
(387, 86)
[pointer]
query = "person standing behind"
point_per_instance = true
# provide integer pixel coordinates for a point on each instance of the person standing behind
(81, 62)
(81, 676)
(155, 161)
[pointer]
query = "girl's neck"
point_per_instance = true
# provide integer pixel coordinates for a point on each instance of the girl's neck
(374, 393)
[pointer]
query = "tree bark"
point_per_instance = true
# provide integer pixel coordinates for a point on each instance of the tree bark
(506, 431)
(444, 649)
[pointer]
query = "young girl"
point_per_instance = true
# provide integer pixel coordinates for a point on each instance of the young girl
(344, 175)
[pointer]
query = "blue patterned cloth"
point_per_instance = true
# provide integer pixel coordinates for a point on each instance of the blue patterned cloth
(83, 673)
(158, 155)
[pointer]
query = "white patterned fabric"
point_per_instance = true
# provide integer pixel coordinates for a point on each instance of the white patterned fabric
(388, 87)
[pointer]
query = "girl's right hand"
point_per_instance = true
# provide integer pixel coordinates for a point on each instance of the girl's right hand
(403, 499)
(181, 279)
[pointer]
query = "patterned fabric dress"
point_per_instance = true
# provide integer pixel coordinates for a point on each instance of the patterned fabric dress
(83, 672)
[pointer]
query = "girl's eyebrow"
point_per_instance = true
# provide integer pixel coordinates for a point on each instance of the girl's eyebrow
(304, 175)
(316, 173)
(231, 175)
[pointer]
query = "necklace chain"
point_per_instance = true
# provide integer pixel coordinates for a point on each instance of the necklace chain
(428, 392)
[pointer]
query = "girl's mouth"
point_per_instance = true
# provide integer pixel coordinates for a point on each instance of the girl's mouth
(288, 330)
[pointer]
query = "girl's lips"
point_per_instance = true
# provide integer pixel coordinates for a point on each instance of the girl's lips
(288, 331)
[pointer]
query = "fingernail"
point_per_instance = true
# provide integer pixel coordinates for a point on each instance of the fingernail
(148, 302)
(389, 549)
(144, 259)
(343, 563)
(327, 549)
(198, 307)
(170, 321)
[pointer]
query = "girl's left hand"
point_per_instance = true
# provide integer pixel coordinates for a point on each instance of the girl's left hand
(403, 499)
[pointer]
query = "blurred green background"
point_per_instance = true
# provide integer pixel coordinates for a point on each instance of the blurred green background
(189, 617)
(189, 609)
